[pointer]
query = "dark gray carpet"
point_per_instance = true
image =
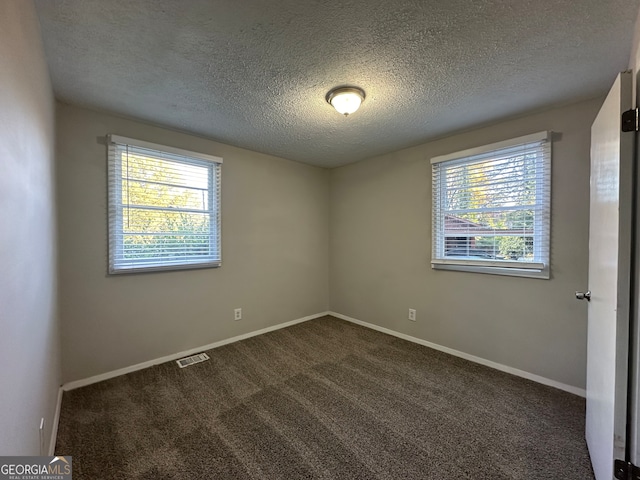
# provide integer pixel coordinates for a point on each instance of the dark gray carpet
(324, 399)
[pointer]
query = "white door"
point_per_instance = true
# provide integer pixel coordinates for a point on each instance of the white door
(633, 441)
(609, 270)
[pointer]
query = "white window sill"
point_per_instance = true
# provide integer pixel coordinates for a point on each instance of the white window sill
(163, 268)
(511, 272)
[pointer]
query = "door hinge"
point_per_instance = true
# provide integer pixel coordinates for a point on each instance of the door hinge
(625, 470)
(630, 120)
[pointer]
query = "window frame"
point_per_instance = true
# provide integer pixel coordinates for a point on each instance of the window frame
(538, 269)
(116, 206)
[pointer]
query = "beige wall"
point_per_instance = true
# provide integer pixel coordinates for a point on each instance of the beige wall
(380, 246)
(274, 247)
(29, 358)
(280, 221)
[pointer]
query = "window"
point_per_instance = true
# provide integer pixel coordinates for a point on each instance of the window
(164, 207)
(491, 208)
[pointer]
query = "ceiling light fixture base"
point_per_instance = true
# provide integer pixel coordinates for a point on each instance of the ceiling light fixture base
(345, 100)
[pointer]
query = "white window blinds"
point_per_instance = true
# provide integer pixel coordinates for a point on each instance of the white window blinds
(491, 206)
(164, 207)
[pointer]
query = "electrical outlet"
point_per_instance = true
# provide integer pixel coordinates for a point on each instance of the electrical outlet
(237, 314)
(412, 314)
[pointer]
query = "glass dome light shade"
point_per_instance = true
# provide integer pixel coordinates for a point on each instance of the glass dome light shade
(346, 100)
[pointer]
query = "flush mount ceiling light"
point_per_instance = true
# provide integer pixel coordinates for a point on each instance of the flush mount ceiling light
(346, 100)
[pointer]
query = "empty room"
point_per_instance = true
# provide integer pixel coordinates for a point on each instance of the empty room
(319, 240)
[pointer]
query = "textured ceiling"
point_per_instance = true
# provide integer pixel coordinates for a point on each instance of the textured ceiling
(254, 73)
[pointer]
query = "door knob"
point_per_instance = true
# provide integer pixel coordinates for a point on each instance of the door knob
(584, 295)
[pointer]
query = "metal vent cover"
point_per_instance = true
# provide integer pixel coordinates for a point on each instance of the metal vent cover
(192, 360)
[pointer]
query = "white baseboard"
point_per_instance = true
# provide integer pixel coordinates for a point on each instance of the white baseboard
(140, 366)
(54, 425)
(488, 363)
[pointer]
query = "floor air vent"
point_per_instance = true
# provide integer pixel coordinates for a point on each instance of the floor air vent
(192, 360)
